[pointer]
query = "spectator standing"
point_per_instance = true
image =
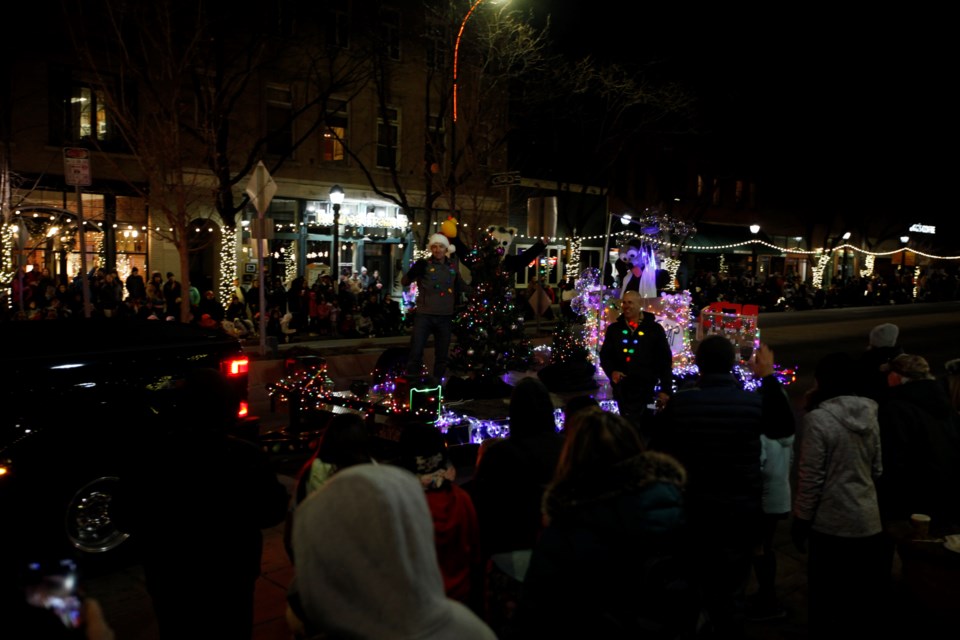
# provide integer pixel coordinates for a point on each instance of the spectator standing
(110, 294)
(882, 347)
(423, 451)
(950, 380)
(344, 443)
(136, 287)
(194, 296)
(172, 294)
(713, 428)
(222, 554)
(296, 303)
(438, 287)
(211, 306)
(920, 434)
(835, 507)
(611, 562)
(776, 464)
(512, 473)
(364, 279)
(392, 315)
(253, 301)
(366, 565)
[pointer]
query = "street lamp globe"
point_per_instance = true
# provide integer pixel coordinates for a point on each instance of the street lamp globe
(336, 199)
(336, 195)
(754, 228)
(904, 239)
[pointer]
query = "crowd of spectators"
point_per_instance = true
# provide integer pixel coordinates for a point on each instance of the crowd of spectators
(360, 304)
(779, 292)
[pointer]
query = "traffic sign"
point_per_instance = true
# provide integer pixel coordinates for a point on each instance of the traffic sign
(261, 188)
(76, 166)
(506, 179)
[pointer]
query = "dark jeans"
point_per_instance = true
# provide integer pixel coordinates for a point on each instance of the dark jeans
(632, 401)
(848, 581)
(722, 552)
(424, 326)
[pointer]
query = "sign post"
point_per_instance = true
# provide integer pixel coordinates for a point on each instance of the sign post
(261, 188)
(76, 172)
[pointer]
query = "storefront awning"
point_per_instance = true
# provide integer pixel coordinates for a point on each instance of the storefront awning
(728, 238)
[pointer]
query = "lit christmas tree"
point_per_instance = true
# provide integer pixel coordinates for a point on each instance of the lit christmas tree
(489, 332)
(570, 368)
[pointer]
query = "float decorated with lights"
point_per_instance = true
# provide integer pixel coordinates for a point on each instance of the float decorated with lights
(575, 346)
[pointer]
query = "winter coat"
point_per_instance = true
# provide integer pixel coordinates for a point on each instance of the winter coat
(611, 563)
(457, 538)
(776, 462)
(714, 430)
(508, 487)
(839, 462)
(643, 354)
(438, 285)
(920, 435)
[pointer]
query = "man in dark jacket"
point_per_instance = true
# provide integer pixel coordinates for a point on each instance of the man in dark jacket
(636, 357)
(713, 429)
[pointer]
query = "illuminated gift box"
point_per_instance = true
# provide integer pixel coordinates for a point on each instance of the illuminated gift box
(738, 323)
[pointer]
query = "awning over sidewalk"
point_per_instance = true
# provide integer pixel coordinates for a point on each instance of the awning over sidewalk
(728, 238)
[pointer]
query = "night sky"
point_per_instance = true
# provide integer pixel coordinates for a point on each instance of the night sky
(860, 106)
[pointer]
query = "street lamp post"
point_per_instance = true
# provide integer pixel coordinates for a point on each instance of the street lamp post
(336, 199)
(903, 253)
(453, 122)
(755, 229)
(846, 250)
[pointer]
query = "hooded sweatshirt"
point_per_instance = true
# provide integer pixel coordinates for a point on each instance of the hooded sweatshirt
(838, 465)
(366, 565)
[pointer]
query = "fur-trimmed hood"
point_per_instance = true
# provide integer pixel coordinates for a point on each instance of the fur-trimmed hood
(631, 476)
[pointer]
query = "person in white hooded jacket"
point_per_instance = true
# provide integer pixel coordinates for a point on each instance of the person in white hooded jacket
(835, 507)
(366, 564)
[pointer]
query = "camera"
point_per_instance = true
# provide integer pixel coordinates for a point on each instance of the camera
(53, 586)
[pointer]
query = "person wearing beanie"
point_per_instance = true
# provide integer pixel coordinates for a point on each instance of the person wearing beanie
(884, 335)
(456, 531)
(439, 286)
(882, 347)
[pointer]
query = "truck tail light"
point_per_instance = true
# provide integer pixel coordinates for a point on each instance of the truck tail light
(234, 367)
(244, 409)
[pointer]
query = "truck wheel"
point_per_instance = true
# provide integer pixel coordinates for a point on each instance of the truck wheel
(90, 525)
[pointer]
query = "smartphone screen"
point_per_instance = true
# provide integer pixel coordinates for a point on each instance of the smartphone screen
(54, 587)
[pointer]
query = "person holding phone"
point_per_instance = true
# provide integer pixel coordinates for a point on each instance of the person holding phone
(44, 601)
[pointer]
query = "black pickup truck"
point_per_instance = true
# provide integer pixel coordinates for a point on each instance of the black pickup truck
(74, 396)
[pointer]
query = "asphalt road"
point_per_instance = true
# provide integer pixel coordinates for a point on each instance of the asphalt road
(800, 338)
